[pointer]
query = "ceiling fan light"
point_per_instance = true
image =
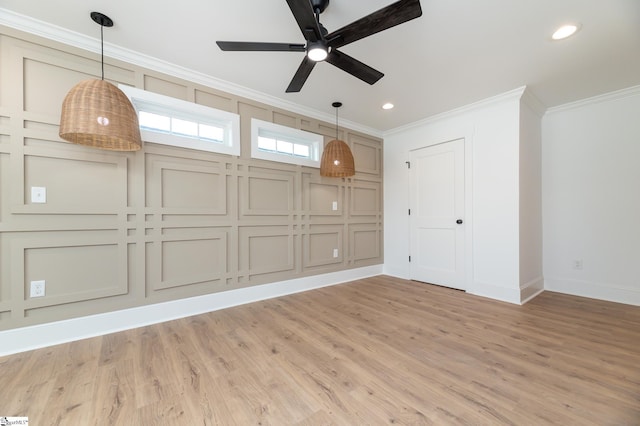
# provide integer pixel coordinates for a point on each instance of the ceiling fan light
(565, 31)
(317, 52)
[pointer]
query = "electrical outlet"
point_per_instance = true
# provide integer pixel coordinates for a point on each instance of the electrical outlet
(37, 288)
(335, 205)
(335, 253)
(38, 194)
(577, 264)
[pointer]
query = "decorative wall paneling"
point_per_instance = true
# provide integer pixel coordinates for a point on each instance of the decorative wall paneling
(120, 230)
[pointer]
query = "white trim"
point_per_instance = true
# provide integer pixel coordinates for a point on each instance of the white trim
(532, 101)
(289, 134)
(467, 229)
(531, 289)
(504, 294)
(606, 97)
(173, 107)
(511, 95)
(39, 336)
(532, 296)
(30, 25)
(394, 271)
(467, 134)
(594, 290)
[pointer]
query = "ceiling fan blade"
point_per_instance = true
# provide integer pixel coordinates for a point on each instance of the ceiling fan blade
(255, 46)
(385, 18)
(354, 67)
(306, 19)
(301, 75)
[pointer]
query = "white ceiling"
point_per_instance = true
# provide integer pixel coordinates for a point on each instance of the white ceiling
(458, 52)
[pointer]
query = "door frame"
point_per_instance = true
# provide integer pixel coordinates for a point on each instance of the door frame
(467, 137)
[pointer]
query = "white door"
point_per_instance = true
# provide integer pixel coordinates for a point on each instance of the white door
(436, 185)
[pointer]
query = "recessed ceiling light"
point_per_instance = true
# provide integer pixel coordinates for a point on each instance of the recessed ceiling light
(564, 32)
(388, 105)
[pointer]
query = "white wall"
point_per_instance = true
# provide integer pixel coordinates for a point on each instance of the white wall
(491, 133)
(591, 197)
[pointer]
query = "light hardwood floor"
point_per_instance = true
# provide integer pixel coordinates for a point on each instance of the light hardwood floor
(374, 351)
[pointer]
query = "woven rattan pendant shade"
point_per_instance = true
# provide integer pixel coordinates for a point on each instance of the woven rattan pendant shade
(337, 159)
(96, 113)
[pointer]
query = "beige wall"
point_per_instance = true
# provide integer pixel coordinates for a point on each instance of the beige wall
(122, 230)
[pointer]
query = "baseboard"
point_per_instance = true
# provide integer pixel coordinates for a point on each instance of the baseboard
(43, 335)
(593, 290)
(492, 291)
(396, 272)
(531, 289)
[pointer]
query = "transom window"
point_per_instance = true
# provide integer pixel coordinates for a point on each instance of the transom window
(177, 126)
(274, 142)
(172, 121)
(279, 146)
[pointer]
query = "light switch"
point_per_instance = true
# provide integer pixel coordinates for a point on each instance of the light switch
(38, 194)
(335, 205)
(335, 253)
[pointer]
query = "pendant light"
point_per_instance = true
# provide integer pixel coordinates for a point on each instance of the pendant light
(96, 113)
(337, 160)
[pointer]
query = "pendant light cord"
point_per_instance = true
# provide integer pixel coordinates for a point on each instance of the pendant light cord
(102, 49)
(103, 21)
(336, 105)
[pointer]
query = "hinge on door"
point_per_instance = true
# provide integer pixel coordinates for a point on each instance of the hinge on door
(408, 164)
(409, 258)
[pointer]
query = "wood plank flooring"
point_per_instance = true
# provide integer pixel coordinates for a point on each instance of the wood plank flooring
(371, 352)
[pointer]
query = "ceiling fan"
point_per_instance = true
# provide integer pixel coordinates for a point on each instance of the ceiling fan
(322, 45)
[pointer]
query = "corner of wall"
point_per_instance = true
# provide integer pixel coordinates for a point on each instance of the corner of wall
(531, 100)
(492, 291)
(531, 289)
(590, 152)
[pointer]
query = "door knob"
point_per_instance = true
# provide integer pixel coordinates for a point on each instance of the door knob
(459, 221)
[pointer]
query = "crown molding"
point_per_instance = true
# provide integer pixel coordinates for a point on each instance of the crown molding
(39, 28)
(531, 100)
(55, 33)
(506, 96)
(606, 97)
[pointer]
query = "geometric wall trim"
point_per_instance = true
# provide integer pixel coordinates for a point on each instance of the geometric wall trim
(365, 242)
(368, 153)
(323, 245)
(182, 262)
(186, 186)
(75, 268)
(267, 194)
(122, 230)
(365, 198)
(266, 249)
